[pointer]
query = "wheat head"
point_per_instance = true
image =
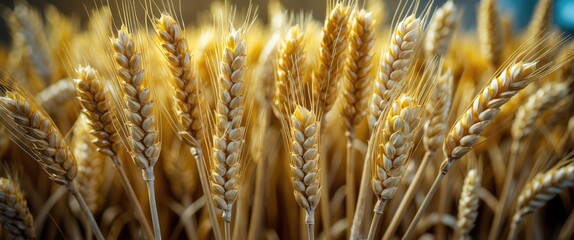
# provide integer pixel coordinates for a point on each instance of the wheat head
(468, 204)
(56, 95)
(357, 81)
(490, 31)
(394, 65)
(441, 29)
(438, 109)
(14, 213)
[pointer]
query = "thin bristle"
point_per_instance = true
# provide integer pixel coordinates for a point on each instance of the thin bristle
(357, 81)
(15, 215)
(394, 65)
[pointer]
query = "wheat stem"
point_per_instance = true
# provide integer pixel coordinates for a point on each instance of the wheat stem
(149, 178)
(379, 209)
(310, 221)
(350, 179)
(90, 217)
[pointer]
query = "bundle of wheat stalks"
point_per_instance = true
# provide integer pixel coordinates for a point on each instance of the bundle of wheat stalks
(355, 128)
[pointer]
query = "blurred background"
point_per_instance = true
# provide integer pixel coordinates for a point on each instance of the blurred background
(519, 10)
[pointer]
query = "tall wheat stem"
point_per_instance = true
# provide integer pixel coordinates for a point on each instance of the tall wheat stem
(364, 192)
(350, 181)
(90, 217)
(379, 208)
(149, 178)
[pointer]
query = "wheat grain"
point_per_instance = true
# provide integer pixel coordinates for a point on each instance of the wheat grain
(331, 56)
(356, 83)
(490, 32)
(394, 65)
(14, 213)
(468, 205)
(187, 95)
(229, 136)
(290, 68)
(441, 29)
(540, 190)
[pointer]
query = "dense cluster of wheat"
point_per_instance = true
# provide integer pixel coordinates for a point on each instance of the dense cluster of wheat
(355, 128)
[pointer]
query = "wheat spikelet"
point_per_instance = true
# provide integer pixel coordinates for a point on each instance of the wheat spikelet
(290, 69)
(539, 191)
(229, 136)
(187, 95)
(14, 213)
(331, 56)
(41, 138)
(56, 95)
(468, 204)
(490, 31)
(535, 105)
(179, 170)
(441, 29)
(394, 65)
(398, 132)
(437, 109)
(91, 165)
(142, 124)
(356, 83)
(96, 107)
(304, 161)
(541, 19)
(467, 129)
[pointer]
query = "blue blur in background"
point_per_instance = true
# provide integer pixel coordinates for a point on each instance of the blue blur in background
(522, 10)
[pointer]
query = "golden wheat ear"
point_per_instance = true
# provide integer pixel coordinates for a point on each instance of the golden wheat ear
(33, 130)
(468, 205)
(15, 215)
(441, 30)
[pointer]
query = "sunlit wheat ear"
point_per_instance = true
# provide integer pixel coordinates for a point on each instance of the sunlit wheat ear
(39, 137)
(467, 129)
(357, 80)
(539, 191)
(438, 109)
(229, 136)
(541, 20)
(394, 65)
(14, 214)
(95, 103)
(142, 124)
(187, 98)
(91, 165)
(536, 104)
(490, 32)
(441, 29)
(331, 56)
(398, 131)
(304, 136)
(56, 95)
(290, 68)
(468, 204)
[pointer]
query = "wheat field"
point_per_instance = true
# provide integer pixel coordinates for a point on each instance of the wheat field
(373, 123)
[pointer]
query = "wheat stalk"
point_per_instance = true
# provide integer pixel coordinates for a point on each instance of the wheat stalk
(331, 56)
(441, 29)
(43, 141)
(290, 68)
(229, 136)
(540, 190)
(477, 116)
(143, 137)
(394, 65)
(398, 131)
(468, 205)
(304, 135)
(14, 213)
(490, 32)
